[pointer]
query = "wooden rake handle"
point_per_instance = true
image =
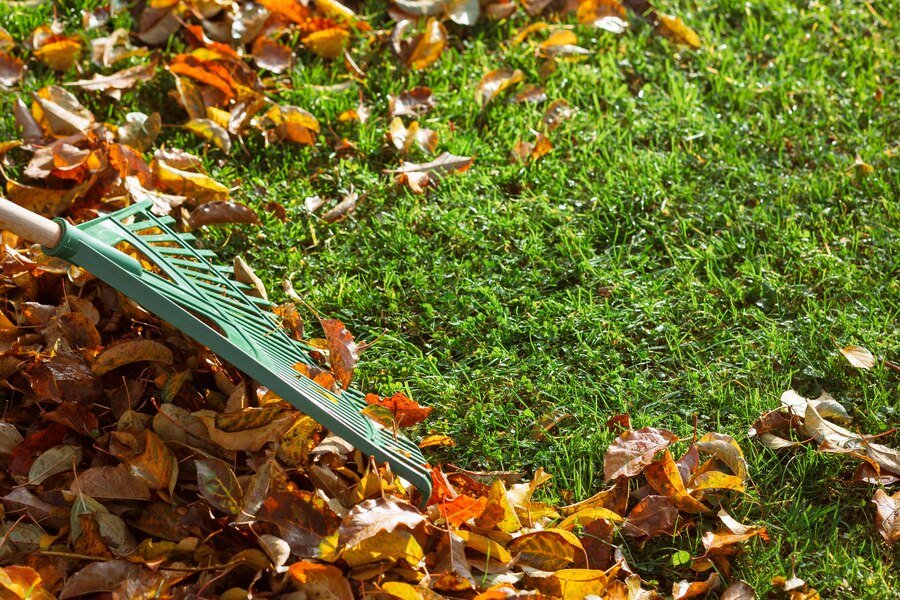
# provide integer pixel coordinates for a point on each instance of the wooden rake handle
(28, 225)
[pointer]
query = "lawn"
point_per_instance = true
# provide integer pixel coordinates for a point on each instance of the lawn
(708, 229)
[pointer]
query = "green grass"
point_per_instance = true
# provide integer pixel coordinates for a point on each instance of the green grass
(697, 242)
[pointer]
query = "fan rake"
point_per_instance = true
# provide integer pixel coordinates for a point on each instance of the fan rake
(183, 287)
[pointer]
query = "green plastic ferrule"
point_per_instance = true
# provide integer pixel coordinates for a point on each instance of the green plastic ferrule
(73, 240)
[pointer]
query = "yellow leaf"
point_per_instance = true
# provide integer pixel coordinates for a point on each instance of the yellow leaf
(486, 546)
(574, 584)
(676, 31)
(394, 546)
(498, 513)
(198, 186)
(59, 52)
(405, 591)
(548, 550)
(293, 124)
(586, 516)
(327, 43)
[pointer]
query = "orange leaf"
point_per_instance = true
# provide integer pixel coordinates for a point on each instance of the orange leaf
(664, 477)
(461, 509)
(406, 411)
(318, 580)
(428, 46)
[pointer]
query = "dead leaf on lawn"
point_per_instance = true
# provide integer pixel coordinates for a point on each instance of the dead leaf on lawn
(859, 357)
(495, 82)
(676, 31)
(414, 102)
(426, 48)
(887, 509)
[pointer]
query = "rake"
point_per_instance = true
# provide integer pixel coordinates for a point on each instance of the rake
(187, 290)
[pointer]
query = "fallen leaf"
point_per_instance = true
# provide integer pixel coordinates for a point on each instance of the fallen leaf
(11, 70)
(548, 550)
(435, 439)
(377, 517)
(427, 47)
(739, 590)
(676, 31)
(494, 82)
(115, 83)
(343, 351)
(59, 52)
(726, 449)
(664, 477)
(608, 15)
(52, 462)
(272, 55)
(342, 209)
(414, 102)
(111, 483)
(684, 589)
(218, 213)
(59, 113)
(633, 450)
(124, 353)
(211, 132)
(321, 581)
(293, 124)
(404, 137)
(328, 43)
(557, 113)
(419, 176)
(654, 515)
(139, 130)
(98, 577)
(887, 509)
(219, 485)
(859, 357)
(407, 412)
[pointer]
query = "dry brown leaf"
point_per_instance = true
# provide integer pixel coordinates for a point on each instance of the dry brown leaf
(11, 70)
(414, 103)
(124, 353)
(739, 590)
(633, 450)
(271, 55)
(887, 510)
(419, 176)
(683, 590)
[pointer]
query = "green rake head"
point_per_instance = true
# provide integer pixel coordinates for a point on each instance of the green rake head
(188, 291)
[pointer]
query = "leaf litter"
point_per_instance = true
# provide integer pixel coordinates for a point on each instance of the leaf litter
(143, 465)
